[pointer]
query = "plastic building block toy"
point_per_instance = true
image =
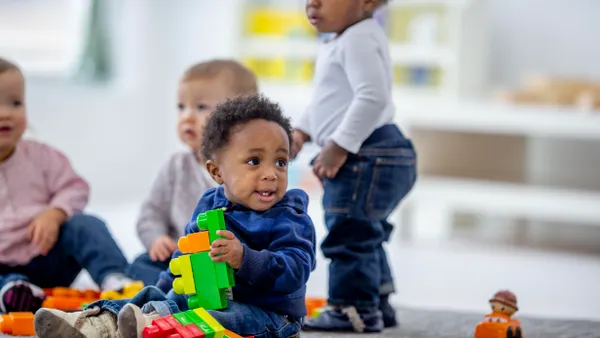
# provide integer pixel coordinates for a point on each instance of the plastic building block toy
(128, 291)
(195, 323)
(68, 299)
(499, 323)
(204, 280)
(17, 324)
(314, 306)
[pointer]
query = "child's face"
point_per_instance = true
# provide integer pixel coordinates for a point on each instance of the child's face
(334, 16)
(196, 100)
(253, 166)
(12, 111)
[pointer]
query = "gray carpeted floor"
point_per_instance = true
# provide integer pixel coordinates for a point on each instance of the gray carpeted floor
(438, 324)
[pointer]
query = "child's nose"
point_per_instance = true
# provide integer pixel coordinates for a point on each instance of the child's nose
(269, 175)
(4, 112)
(187, 114)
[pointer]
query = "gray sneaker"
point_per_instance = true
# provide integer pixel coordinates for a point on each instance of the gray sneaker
(90, 323)
(132, 321)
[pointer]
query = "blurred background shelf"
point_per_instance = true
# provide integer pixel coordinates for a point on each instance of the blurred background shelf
(498, 118)
(435, 201)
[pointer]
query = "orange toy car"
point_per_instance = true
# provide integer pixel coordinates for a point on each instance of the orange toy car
(499, 323)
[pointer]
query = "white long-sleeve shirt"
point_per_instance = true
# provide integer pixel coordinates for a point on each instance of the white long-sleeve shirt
(352, 93)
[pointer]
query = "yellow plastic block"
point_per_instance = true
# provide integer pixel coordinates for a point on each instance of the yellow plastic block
(193, 243)
(211, 321)
(182, 266)
(131, 289)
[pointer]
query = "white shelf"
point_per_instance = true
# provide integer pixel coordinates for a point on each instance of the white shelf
(501, 199)
(488, 117)
(306, 48)
(423, 109)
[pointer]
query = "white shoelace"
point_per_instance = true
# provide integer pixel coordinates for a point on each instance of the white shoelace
(357, 323)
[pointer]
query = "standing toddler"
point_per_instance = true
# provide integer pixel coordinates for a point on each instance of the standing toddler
(366, 165)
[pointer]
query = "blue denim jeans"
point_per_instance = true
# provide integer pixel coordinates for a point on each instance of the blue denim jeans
(84, 242)
(357, 203)
(145, 269)
(243, 319)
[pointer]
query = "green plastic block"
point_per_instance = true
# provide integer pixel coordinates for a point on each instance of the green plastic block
(224, 275)
(212, 221)
(209, 296)
(208, 331)
(183, 318)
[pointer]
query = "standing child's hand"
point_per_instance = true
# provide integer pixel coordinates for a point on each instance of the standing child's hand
(330, 160)
(298, 139)
(228, 249)
(44, 229)
(162, 248)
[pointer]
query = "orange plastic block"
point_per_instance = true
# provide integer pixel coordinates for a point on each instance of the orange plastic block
(313, 304)
(17, 324)
(193, 243)
(72, 293)
(230, 334)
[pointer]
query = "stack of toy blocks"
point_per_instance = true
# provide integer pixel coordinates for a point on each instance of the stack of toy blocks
(204, 280)
(17, 324)
(197, 323)
(68, 299)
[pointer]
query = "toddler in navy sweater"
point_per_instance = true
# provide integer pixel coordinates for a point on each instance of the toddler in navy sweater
(269, 241)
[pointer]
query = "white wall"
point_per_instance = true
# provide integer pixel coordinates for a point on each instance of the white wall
(547, 36)
(118, 134)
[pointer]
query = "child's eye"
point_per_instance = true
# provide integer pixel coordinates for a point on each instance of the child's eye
(180, 107)
(202, 107)
(281, 163)
(17, 103)
(253, 161)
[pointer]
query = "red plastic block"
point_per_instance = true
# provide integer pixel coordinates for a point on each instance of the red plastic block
(184, 332)
(152, 331)
(175, 335)
(172, 321)
(164, 327)
(195, 330)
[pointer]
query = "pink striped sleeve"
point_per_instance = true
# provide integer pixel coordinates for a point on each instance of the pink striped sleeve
(69, 191)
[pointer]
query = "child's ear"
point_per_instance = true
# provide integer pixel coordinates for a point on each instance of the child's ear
(372, 5)
(213, 169)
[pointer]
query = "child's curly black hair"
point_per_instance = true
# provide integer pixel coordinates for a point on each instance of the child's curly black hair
(235, 111)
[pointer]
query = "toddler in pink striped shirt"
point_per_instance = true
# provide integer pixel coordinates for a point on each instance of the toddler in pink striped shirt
(46, 241)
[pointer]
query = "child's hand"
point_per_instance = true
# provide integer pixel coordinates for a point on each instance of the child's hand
(228, 249)
(298, 139)
(44, 229)
(162, 248)
(330, 160)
